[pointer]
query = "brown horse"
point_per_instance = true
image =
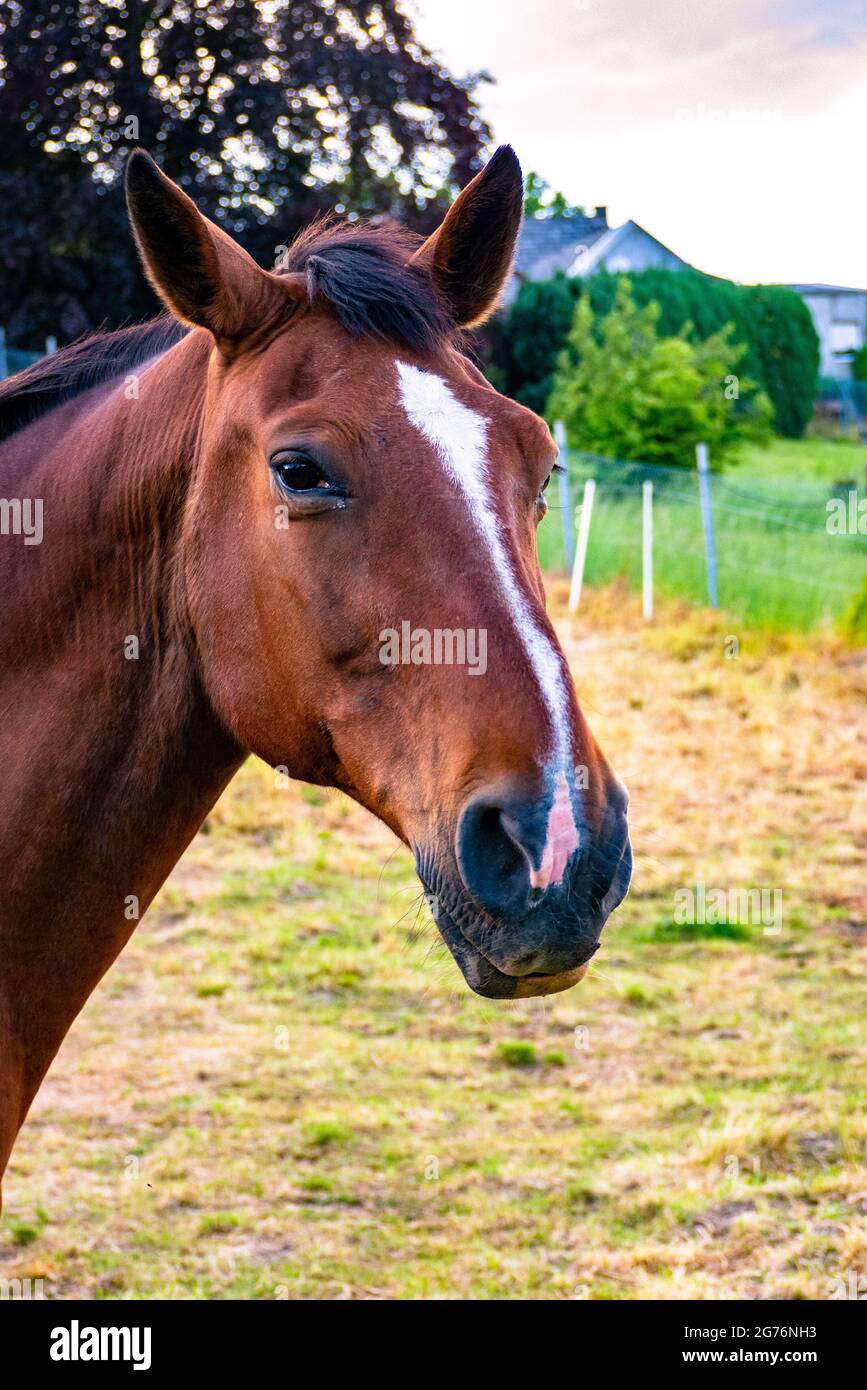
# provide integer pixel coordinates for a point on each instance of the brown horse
(236, 505)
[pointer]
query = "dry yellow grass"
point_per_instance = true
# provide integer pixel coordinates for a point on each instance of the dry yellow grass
(283, 1088)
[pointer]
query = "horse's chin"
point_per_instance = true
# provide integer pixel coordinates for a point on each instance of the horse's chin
(529, 986)
(492, 983)
(484, 978)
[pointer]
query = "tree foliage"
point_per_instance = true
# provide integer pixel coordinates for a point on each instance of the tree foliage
(541, 200)
(624, 390)
(773, 323)
(265, 112)
(859, 364)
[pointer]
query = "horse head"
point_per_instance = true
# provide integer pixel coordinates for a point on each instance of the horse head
(360, 571)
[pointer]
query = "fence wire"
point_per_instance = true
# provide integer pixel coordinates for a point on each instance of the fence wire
(781, 562)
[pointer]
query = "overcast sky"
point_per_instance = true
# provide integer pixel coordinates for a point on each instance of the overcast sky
(733, 131)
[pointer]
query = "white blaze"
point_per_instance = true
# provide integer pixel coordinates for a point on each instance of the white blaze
(459, 436)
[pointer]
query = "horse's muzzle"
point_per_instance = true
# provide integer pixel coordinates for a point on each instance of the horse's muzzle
(514, 931)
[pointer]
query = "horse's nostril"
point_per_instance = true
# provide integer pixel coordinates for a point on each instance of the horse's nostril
(494, 859)
(544, 887)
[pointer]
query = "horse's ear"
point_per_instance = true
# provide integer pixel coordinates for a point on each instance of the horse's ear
(470, 254)
(199, 272)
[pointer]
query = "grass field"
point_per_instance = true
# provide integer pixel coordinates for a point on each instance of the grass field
(813, 459)
(283, 1087)
(778, 566)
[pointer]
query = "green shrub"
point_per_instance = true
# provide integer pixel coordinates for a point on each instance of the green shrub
(859, 364)
(785, 351)
(624, 391)
(774, 324)
(524, 343)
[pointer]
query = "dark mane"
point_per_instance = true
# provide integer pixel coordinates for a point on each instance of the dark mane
(365, 272)
(75, 369)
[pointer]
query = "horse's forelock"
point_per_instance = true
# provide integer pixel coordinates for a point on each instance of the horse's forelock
(368, 275)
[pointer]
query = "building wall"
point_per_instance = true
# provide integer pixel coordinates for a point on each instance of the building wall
(638, 251)
(839, 319)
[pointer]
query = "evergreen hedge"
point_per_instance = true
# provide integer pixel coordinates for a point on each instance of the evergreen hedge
(773, 322)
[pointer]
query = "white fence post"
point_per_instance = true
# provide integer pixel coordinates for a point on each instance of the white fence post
(565, 494)
(581, 552)
(647, 550)
(707, 522)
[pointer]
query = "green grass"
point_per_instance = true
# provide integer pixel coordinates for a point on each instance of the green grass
(811, 459)
(518, 1054)
(785, 577)
(668, 930)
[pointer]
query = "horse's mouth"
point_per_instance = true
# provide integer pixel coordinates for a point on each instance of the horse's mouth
(486, 979)
(531, 985)
(575, 939)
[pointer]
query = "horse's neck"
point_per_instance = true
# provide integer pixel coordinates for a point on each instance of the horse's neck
(110, 754)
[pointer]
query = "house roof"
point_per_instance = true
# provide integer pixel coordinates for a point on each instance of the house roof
(825, 289)
(608, 242)
(545, 237)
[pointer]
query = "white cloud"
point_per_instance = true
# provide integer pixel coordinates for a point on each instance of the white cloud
(732, 132)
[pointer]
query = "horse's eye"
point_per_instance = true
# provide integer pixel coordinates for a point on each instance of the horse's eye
(299, 473)
(558, 468)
